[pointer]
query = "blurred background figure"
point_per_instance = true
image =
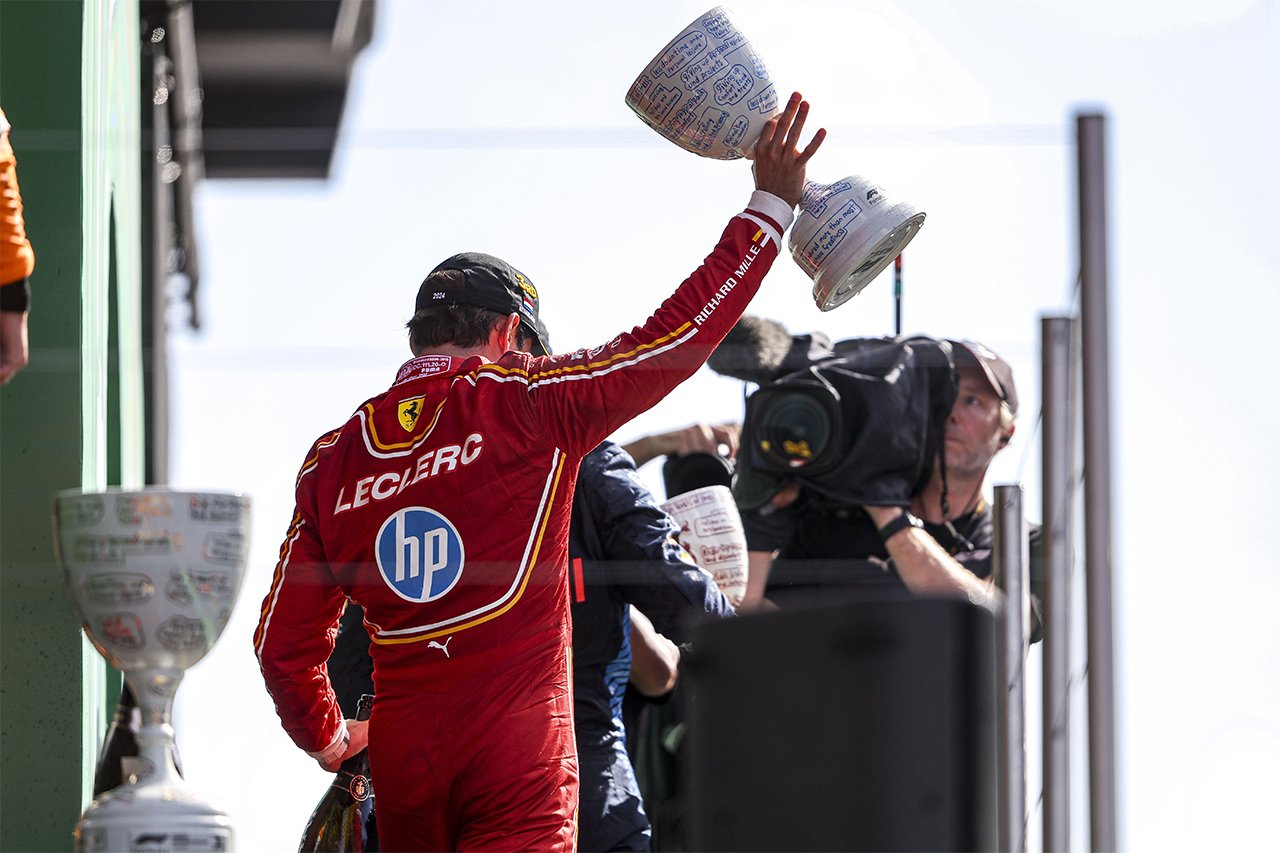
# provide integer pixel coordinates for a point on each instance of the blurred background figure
(17, 261)
(717, 439)
(695, 456)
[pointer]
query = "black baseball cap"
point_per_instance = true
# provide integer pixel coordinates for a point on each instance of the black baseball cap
(995, 368)
(487, 282)
(688, 471)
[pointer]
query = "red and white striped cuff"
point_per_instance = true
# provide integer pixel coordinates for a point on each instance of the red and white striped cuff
(771, 213)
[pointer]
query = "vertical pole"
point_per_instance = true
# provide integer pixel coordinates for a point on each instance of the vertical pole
(897, 295)
(161, 244)
(1091, 152)
(1009, 566)
(1057, 355)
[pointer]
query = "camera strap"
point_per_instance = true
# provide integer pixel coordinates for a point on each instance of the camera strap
(958, 540)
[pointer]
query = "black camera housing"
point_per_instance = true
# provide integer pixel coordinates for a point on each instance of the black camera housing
(796, 426)
(861, 424)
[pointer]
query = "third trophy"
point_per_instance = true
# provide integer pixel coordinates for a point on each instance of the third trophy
(154, 575)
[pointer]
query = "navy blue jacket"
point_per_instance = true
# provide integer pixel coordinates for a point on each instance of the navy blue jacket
(622, 550)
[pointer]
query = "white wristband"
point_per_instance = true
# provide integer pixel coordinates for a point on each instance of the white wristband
(334, 751)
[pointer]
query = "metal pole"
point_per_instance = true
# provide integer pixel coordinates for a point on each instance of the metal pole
(188, 147)
(161, 242)
(1091, 151)
(897, 295)
(1057, 360)
(1009, 567)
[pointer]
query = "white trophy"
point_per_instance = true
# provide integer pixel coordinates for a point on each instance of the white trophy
(709, 92)
(711, 531)
(154, 575)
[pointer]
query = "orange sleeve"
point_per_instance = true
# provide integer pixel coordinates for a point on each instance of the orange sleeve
(17, 259)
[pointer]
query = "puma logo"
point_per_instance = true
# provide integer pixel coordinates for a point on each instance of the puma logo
(432, 644)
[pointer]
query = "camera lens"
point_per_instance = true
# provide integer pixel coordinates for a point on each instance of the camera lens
(795, 430)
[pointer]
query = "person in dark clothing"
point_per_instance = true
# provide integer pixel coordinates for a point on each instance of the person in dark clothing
(801, 542)
(623, 551)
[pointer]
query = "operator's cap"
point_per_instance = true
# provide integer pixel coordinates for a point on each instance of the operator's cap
(685, 472)
(487, 282)
(995, 368)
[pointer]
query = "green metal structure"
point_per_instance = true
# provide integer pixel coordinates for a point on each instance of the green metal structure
(74, 418)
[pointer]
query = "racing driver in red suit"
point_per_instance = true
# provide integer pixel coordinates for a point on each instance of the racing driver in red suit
(442, 506)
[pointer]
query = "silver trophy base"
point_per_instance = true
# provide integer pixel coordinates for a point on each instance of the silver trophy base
(846, 234)
(832, 289)
(163, 817)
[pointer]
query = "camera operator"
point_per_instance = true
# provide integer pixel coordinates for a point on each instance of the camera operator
(871, 519)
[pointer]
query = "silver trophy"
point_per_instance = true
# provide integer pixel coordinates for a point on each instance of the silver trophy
(154, 574)
(710, 92)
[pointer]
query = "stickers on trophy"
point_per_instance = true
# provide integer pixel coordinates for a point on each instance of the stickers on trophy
(185, 587)
(123, 630)
(113, 549)
(224, 548)
(134, 508)
(118, 589)
(96, 550)
(835, 223)
(85, 511)
(707, 91)
(181, 635)
(215, 508)
(178, 590)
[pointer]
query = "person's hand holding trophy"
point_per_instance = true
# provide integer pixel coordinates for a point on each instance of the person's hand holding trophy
(153, 575)
(709, 92)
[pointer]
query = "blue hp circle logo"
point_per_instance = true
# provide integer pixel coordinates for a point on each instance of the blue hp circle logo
(419, 554)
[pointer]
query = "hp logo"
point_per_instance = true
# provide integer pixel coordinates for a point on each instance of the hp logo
(419, 554)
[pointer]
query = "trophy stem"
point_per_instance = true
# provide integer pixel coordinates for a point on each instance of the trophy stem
(156, 745)
(154, 690)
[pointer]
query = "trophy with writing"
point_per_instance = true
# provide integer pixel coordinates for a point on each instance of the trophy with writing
(153, 574)
(709, 92)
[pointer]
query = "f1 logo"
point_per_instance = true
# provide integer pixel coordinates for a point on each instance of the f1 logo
(419, 554)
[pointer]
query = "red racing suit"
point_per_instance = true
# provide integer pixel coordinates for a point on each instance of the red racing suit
(442, 506)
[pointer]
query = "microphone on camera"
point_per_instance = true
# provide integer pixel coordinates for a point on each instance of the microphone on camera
(760, 350)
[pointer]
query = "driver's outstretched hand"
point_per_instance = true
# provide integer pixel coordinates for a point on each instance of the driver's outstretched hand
(777, 164)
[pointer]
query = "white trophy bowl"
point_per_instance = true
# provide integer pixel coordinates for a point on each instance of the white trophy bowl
(708, 91)
(846, 234)
(154, 574)
(711, 531)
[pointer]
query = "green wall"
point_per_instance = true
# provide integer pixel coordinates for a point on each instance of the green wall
(73, 417)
